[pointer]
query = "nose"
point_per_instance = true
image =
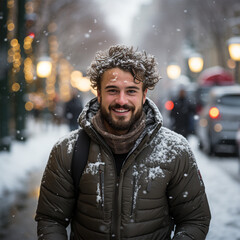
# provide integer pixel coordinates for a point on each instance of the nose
(121, 98)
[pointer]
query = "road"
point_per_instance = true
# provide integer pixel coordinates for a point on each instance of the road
(230, 164)
(17, 214)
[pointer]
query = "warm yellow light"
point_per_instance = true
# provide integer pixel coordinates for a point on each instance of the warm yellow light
(234, 48)
(16, 87)
(234, 51)
(17, 56)
(44, 68)
(28, 39)
(27, 43)
(76, 77)
(84, 84)
(173, 71)
(10, 27)
(28, 60)
(29, 106)
(195, 64)
(14, 42)
(16, 48)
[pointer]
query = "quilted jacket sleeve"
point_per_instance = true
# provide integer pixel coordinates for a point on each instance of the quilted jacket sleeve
(56, 200)
(187, 198)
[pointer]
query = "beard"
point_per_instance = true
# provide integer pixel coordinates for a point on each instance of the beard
(120, 124)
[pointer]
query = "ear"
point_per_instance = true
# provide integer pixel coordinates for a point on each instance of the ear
(98, 95)
(144, 95)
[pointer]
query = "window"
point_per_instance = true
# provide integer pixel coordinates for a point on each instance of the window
(230, 100)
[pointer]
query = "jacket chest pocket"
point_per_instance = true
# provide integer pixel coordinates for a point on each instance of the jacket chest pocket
(147, 194)
(92, 183)
(138, 191)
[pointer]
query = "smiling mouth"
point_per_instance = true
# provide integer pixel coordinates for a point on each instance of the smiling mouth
(120, 110)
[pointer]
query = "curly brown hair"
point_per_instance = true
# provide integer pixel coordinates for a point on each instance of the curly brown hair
(141, 65)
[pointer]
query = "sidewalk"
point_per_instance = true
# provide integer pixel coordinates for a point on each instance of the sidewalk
(21, 171)
(28, 156)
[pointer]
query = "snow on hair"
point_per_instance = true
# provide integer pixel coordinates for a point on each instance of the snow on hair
(141, 65)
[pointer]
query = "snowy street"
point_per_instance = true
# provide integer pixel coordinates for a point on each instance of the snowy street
(183, 56)
(22, 168)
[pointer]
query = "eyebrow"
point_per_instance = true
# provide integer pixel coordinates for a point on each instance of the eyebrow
(130, 87)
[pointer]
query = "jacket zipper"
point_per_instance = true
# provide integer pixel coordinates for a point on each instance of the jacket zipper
(101, 182)
(133, 196)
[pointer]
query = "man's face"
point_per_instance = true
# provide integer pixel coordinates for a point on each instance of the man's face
(121, 100)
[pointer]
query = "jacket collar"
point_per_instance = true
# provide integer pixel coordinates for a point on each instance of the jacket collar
(153, 116)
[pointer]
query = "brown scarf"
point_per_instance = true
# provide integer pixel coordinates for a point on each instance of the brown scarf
(123, 143)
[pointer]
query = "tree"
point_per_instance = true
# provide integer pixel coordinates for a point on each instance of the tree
(4, 87)
(81, 30)
(213, 21)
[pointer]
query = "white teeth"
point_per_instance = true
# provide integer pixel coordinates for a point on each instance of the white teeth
(121, 111)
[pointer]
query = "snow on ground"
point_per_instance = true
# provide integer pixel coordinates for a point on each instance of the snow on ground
(27, 156)
(223, 192)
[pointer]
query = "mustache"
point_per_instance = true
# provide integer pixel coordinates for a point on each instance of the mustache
(125, 106)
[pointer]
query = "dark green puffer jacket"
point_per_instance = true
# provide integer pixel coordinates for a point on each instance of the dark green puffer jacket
(159, 187)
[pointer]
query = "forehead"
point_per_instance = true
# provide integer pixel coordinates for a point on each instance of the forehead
(118, 76)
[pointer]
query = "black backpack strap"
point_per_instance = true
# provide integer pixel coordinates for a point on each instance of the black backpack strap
(79, 159)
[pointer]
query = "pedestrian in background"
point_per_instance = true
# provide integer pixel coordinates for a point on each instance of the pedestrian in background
(181, 116)
(141, 180)
(72, 110)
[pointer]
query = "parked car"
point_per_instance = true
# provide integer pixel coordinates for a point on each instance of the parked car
(219, 120)
(210, 77)
(238, 140)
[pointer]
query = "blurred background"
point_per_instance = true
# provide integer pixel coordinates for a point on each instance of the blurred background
(45, 49)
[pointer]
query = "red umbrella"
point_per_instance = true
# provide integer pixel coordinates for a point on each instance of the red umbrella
(216, 76)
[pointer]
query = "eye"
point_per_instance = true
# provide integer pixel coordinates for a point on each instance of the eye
(112, 91)
(131, 92)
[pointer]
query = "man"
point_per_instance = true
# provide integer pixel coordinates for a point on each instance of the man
(141, 180)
